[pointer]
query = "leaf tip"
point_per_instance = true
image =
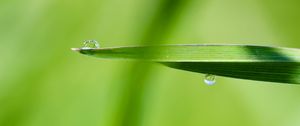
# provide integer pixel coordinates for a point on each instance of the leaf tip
(75, 49)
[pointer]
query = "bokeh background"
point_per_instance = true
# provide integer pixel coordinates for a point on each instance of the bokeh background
(44, 83)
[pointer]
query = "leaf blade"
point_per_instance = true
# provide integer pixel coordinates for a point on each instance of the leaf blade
(262, 63)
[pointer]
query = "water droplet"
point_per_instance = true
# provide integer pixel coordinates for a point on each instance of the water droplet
(90, 44)
(210, 79)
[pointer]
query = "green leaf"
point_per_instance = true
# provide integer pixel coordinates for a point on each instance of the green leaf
(263, 63)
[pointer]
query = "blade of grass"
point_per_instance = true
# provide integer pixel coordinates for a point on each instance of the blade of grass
(131, 107)
(263, 63)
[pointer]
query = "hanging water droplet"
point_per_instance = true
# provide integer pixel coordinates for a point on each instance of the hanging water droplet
(210, 79)
(90, 44)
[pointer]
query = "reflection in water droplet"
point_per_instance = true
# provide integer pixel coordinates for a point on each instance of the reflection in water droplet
(90, 44)
(210, 79)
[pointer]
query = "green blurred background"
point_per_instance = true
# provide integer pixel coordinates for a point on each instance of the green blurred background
(44, 83)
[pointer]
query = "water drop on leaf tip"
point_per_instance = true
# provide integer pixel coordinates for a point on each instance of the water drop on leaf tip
(90, 44)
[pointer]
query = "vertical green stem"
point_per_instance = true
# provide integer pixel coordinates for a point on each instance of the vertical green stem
(130, 109)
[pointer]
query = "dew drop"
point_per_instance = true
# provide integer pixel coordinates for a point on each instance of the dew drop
(90, 44)
(210, 79)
